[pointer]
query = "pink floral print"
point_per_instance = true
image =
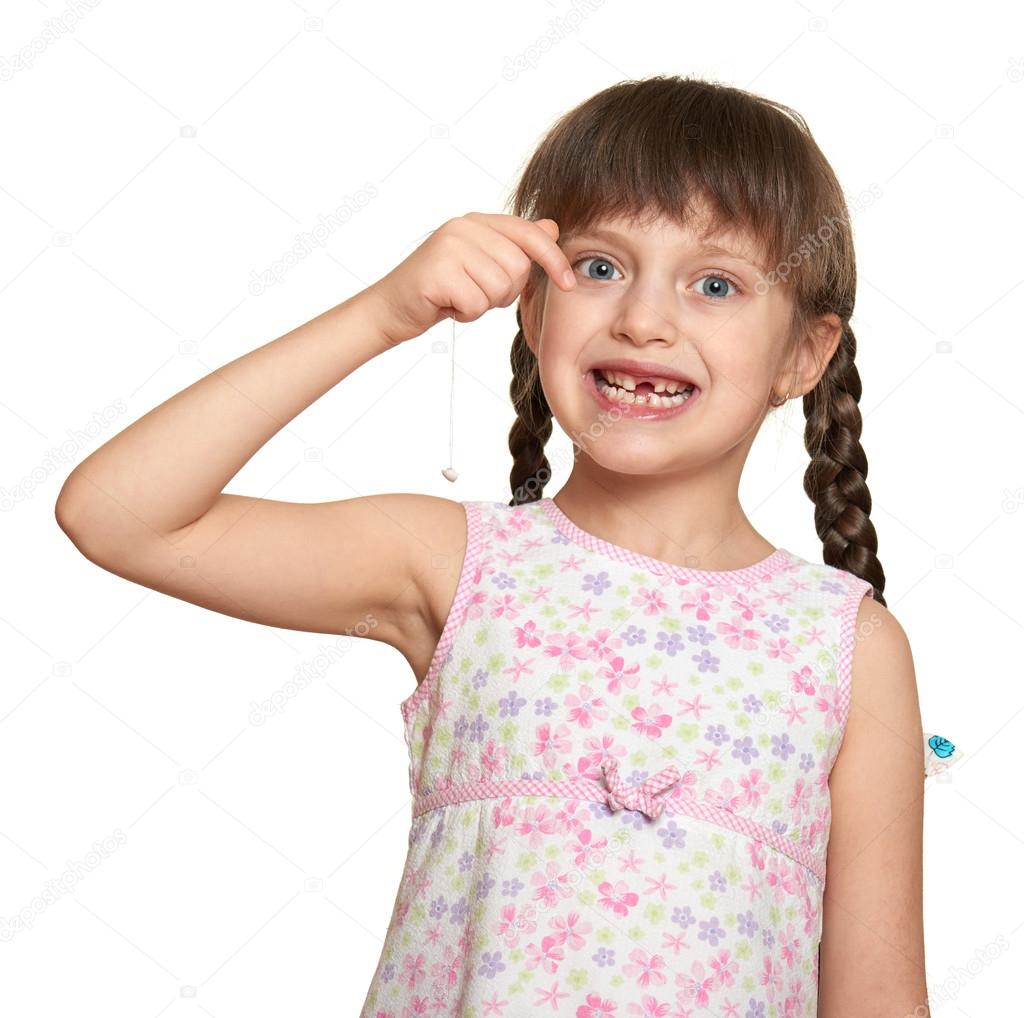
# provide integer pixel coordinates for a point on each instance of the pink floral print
(620, 778)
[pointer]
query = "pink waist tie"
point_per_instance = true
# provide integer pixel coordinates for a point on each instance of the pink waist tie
(645, 798)
(652, 798)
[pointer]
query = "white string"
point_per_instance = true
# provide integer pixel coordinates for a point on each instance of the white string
(449, 472)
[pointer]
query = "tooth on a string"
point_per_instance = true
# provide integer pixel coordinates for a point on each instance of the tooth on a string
(449, 472)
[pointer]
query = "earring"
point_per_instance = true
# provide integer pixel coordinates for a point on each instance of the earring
(771, 399)
(449, 472)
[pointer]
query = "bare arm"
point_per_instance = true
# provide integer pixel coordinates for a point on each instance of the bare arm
(872, 946)
(162, 473)
(149, 504)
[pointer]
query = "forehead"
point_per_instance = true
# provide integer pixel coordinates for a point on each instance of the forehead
(665, 233)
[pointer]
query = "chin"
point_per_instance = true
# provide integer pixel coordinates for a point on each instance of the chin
(637, 457)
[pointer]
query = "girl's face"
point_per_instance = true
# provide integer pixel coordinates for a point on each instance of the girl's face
(659, 295)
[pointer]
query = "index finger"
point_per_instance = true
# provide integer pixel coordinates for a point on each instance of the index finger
(540, 247)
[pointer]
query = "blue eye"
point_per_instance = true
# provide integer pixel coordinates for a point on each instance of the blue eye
(716, 290)
(716, 294)
(597, 258)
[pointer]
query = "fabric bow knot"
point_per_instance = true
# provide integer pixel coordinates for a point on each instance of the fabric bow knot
(647, 798)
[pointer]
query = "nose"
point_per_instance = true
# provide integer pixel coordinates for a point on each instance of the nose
(648, 314)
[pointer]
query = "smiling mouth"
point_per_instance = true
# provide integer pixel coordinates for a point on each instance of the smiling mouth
(642, 393)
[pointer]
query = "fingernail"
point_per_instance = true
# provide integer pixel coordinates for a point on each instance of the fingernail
(568, 278)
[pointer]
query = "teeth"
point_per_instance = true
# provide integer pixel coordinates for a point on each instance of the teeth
(629, 383)
(620, 394)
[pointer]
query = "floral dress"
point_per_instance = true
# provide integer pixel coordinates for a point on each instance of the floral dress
(619, 769)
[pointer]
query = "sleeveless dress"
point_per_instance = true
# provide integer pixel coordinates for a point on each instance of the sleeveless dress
(619, 770)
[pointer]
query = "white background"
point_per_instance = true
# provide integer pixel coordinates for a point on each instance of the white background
(157, 159)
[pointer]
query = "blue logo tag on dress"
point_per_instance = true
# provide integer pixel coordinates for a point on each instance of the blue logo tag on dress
(939, 754)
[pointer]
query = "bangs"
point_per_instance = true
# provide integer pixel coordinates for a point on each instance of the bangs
(708, 158)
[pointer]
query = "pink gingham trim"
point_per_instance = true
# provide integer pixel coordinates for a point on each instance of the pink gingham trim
(594, 791)
(779, 561)
(847, 639)
(457, 611)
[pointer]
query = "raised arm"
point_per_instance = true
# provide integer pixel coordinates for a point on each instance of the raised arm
(149, 504)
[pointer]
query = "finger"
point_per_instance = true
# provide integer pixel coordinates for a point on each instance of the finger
(540, 246)
(492, 278)
(548, 226)
(468, 300)
(509, 255)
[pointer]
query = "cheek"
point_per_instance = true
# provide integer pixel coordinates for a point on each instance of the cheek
(738, 392)
(736, 365)
(559, 379)
(740, 377)
(564, 345)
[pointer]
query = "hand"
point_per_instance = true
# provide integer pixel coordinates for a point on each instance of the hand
(466, 267)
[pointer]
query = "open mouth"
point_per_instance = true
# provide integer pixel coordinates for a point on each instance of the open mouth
(654, 393)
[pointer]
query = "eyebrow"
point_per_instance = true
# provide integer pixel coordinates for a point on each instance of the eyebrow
(613, 235)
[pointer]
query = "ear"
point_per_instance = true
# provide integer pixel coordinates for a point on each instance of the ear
(815, 351)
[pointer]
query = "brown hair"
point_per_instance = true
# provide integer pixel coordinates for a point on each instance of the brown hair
(673, 146)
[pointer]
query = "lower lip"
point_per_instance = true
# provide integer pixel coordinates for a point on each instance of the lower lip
(641, 412)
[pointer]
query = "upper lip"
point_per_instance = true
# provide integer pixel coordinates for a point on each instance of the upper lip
(641, 369)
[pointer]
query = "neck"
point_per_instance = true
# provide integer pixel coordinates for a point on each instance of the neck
(691, 521)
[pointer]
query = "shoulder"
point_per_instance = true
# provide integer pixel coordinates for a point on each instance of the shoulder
(883, 683)
(440, 522)
(467, 535)
(435, 526)
(879, 769)
(457, 536)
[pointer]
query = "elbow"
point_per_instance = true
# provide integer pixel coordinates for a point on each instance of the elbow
(84, 523)
(103, 530)
(65, 511)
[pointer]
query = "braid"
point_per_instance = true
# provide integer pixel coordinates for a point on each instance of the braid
(836, 478)
(532, 427)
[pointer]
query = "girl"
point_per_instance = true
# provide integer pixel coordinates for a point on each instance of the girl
(659, 765)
